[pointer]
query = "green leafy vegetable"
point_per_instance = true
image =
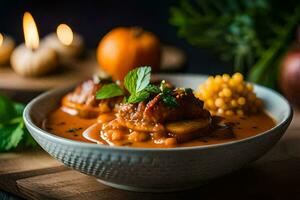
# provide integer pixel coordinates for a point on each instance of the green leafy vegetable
(137, 82)
(138, 79)
(109, 91)
(169, 100)
(153, 89)
(251, 35)
(13, 133)
(138, 97)
(166, 95)
(7, 110)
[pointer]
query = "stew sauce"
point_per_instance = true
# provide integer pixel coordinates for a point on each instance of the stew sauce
(76, 128)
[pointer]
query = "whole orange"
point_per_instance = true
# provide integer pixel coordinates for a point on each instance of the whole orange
(123, 49)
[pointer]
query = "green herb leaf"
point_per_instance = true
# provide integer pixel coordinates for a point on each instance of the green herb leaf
(144, 75)
(169, 100)
(138, 97)
(188, 90)
(13, 133)
(19, 108)
(10, 136)
(109, 91)
(7, 110)
(138, 79)
(164, 89)
(153, 89)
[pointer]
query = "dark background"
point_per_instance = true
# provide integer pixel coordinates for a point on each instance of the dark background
(92, 19)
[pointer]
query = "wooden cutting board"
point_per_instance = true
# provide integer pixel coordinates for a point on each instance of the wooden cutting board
(35, 175)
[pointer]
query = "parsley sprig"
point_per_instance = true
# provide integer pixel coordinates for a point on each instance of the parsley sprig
(137, 83)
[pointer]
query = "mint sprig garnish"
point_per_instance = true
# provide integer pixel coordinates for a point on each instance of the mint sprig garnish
(109, 91)
(166, 95)
(137, 83)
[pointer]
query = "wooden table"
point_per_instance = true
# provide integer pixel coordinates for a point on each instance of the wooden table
(35, 175)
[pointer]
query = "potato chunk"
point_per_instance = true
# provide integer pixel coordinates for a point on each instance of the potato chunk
(189, 129)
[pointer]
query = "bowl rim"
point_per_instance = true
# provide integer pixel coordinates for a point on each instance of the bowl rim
(29, 123)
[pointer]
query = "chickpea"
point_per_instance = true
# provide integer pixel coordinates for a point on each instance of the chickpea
(226, 77)
(105, 118)
(225, 95)
(170, 141)
(158, 135)
(227, 92)
(136, 136)
(117, 135)
(238, 77)
(241, 101)
(219, 102)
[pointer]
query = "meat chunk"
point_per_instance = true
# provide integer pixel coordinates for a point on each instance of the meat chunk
(189, 107)
(149, 116)
(82, 100)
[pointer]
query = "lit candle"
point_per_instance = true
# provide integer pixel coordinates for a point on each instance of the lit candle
(32, 59)
(66, 43)
(7, 45)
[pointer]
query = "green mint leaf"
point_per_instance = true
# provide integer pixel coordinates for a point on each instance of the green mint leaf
(164, 89)
(152, 88)
(130, 81)
(11, 136)
(7, 110)
(109, 91)
(144, 75)
(13, 133)
(138, 97)
(19, 108)
(137, 79)
(188, 90)
(169, 100)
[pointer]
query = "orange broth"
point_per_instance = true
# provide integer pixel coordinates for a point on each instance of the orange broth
(72, 127)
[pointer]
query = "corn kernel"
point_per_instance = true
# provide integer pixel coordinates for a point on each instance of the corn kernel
(225, 77)
(232, 83)
(221, 94)
(229, 112)
(240, 112)
(233, 103)
(227, 92)
(238, 77)
(249, 87)
(240, 88)
(210, 79)
(225, 95)
(220, 111)
(210, 103)
(241, 101)
(218, 79)
(219, 102)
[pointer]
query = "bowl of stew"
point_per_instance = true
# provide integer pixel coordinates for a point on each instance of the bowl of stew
(141, 157)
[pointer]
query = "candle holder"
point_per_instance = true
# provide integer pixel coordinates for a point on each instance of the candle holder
(67, 44)
(32, 59)
(7, 45)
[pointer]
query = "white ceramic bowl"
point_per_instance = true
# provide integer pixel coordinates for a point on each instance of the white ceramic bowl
(157, 170)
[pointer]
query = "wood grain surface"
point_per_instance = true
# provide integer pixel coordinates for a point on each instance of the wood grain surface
(35, 175)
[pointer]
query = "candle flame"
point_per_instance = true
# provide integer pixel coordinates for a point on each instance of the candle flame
(31, 34)
(1, 39)
(64, 34)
